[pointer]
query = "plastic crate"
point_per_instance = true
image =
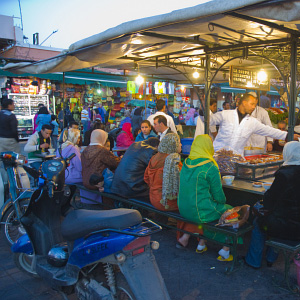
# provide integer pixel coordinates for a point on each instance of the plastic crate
(186, 145)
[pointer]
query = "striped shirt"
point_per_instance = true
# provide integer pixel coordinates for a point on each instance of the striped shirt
(84, 115)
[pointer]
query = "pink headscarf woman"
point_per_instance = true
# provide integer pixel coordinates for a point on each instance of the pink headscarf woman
(125, 138)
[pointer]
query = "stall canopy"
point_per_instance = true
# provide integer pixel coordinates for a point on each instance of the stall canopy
(77, 77)
(172, 45)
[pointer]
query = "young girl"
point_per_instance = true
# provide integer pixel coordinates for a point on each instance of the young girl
(146, 132)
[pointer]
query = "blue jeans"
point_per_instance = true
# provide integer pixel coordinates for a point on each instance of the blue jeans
(85, 125)
(257, 244)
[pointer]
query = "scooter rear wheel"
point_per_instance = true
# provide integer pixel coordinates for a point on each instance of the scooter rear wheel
(12, 229)
(123, 290)
(25, 263)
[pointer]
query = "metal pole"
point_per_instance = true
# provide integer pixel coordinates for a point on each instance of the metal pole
(293, 88)
(207, 93)
(144, 94)
(63, 100)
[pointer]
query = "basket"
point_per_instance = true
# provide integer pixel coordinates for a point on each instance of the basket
(186, 145)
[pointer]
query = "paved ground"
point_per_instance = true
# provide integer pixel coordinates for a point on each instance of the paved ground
(188, 276)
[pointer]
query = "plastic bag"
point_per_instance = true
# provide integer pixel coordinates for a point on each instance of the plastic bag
(226, 159)
(108, 178)
(235, 217)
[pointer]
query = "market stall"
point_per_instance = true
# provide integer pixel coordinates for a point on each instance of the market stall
(218, 41)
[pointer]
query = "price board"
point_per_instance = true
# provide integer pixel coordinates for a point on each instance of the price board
(248, 79)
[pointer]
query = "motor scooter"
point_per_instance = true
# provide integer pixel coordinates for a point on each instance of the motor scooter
(16, 195)
(96, 254)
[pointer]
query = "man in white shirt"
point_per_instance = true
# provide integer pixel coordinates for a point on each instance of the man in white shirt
(161, 127)
(161, 108)
(236, 126)
(200, 124)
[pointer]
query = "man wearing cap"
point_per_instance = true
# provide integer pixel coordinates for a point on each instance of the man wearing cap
(236, 126)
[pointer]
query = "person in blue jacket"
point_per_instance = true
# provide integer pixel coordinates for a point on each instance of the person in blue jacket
(54, 135)
(44, 118)
(146, 132)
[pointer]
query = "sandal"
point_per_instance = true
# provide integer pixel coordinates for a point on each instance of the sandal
(201, 251)
(221, 258)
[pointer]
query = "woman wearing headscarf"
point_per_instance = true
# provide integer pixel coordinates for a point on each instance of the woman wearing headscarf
(282, 203)
(189, 119)
(125, 137)
(127, 118)
(162, 177)
(73, 172)
(201, 198)
(95, 158)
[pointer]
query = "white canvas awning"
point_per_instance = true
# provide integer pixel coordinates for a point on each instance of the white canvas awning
(170, 45)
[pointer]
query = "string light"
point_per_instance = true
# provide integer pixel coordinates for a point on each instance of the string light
(139, 79)
(196, 74)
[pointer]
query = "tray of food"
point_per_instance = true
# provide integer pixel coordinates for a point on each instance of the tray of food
(259, 166)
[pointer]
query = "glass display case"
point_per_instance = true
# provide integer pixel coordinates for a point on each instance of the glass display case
(26, 106)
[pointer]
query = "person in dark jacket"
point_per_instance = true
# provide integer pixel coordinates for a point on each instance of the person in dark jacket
(137, 119)
(87, 135)
(134, 164)
(282, 202)
(9, 140)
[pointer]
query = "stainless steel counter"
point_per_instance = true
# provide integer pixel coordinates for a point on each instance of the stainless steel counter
(246, 186)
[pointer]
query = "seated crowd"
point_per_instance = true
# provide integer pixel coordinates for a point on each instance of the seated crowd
(151, 170)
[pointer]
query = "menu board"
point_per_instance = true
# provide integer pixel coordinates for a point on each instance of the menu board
(35, 100)
(26, 106)
(248, 79)
(21, 104)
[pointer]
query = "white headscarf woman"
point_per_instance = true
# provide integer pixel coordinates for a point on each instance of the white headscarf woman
(72, 138)
(98, 137)
(291, 154)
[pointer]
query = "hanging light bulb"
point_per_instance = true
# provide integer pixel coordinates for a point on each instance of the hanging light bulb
(262, 76)
(196, 74)
(139, 79)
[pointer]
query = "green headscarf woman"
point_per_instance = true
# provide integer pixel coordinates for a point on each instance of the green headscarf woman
(201, 198)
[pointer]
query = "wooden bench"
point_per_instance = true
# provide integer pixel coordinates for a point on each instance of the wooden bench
(289, 249)
(232, 234)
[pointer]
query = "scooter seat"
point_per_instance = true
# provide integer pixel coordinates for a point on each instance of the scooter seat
(79, 223)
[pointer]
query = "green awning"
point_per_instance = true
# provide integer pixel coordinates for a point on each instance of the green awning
(88, 77)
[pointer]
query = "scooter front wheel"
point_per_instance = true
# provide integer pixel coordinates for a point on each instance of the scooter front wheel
(12, 228)
(123, 290)
(26, 263)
